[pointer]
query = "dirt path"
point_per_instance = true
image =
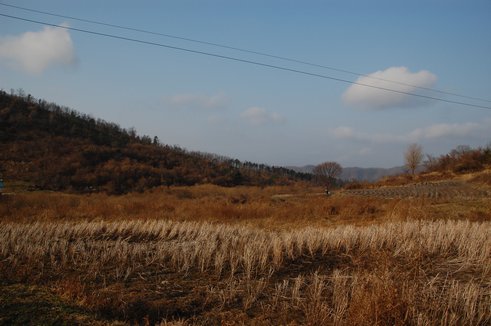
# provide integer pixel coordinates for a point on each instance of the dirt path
(441, 189)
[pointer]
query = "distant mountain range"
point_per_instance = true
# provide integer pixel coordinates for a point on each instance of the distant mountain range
(356, 173)
(370, 174)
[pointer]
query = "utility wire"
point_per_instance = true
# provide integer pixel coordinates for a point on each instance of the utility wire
(244, 61)
(243, 50)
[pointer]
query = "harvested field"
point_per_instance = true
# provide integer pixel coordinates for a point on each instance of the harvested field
(208, 255)
(436, 190)
(396, 273)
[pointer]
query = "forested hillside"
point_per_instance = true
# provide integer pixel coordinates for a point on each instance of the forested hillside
(57, 148)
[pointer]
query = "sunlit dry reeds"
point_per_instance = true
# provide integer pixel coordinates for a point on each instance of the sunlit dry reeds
(415, 272)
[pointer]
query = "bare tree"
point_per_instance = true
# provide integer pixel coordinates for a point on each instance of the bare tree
(328, 171)
(413, 157)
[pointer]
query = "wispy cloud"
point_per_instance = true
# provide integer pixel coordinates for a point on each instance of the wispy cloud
(196, 101)
(258, 116)
(435, 131)
(365, 151)
(449, 130)
(348, 133)
(34, 52)
(343, 132)
(376, 99)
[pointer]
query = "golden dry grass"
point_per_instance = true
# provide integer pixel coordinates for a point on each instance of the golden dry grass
(210, 255)
(245, 205)
(271, 207)
(402, 273)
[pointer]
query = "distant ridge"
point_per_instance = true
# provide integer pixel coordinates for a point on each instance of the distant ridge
(356, 173)
(370, 174)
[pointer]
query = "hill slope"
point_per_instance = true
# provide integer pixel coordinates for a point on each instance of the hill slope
(54, 147)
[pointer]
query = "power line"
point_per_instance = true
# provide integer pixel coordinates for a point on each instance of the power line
(244, 61)
(243, 50)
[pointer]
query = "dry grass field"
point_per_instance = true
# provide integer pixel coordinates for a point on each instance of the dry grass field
(207, 255)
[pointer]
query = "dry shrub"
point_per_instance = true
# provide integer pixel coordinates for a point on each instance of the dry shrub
(357, 185)
(71, 288)
(378, 299)
(396, 180)
(405, 179)
(482, 178)
(478, 215)
(178, 322)
(247, 205)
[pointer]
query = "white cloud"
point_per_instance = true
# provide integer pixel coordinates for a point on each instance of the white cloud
(348, 133)
(196, 101)
(435, 131)
(34, 52)
(259, 116)
(376, 99)
(446, 130)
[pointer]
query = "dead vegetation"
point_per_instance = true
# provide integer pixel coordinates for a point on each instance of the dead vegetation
(208, 256)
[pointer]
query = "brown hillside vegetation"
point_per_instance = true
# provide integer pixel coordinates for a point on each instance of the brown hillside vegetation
(56, 148)
(463, 162)
(208, 255)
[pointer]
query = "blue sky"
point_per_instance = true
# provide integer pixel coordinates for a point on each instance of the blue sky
(257, 113)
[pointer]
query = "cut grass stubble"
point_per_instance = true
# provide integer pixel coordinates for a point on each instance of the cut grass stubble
(415, 272)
